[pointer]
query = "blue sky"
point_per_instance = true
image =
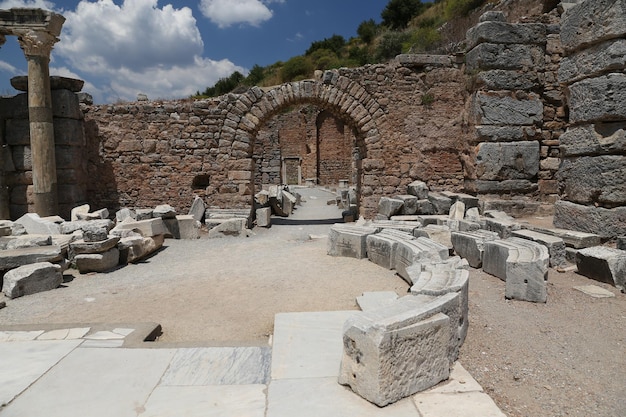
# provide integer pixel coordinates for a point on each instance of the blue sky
(171, 49)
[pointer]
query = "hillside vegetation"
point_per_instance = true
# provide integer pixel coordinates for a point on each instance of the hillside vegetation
(407, 26)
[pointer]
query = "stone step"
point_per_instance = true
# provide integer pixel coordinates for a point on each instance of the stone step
(349, 241)
(555, 245)
(470, 245)
(572, 238)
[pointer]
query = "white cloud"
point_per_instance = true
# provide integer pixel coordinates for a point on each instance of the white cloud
(6, 67)
(225, 13)
(34, 4)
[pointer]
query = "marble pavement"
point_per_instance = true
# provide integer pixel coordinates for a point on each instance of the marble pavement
(80, 371)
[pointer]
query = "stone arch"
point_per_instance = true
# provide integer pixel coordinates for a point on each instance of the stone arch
(246, 114)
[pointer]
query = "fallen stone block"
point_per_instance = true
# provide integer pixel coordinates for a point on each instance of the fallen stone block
(289, 202)
(375, 300)
(471, 245)
(226, 227)
(437, 233)
(31, 279)
(94, 232)
(469, 200)
(14, 258)
(148, 228)
(135, 248)
(434, 219)
(188, 227)
(504, 228)
(419, 189)
(603, 264)
(35, 225)
(164, 211)
(197, 209)
(572, 238)
(621, 243)
(25, 241)
(6, 228)
(84, 209)
(460, 225)
(349, 241)
(97, 262)
(522, 264)
(389, 206)
(380, 249)
(96, 215)
(424, 207)
(125, 213)
(441, 203)
(555, 245)
(70, 227)
(143, 214)
(409, 205)
(81, 247)
(457, 211)
(408, 252)
(403, 226)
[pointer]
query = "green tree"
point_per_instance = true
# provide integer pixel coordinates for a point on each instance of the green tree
(297, 68)
(398, 13)
(367, 31)
(225, 85)
(255, 76)
(390, 45)
(335, 43)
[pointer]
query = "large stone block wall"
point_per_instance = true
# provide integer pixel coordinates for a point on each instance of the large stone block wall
(592, 175)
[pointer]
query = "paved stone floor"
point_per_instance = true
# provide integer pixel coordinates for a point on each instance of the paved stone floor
(81, 371)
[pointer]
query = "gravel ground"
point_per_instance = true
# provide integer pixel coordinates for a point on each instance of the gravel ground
(563, 358)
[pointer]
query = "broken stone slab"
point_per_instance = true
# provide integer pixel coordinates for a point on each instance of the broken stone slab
(409, 205)
(164, 211)
(598, 99)
(97, 262)
(226, 227)
(408, 252)
(596, 60)
(349, 241)
(289, 202)
(24, 241)
(504, 228)
(198, 209)
(598, 221)
(419, 189)
(461, 225)
(506, 33)
(434, 219)
(390, 206)
(501, 161)
(95, 232)
(471, 245)
(522, 264)
(84, 209)
(213, 213)
(143, 214)
(125, 213)
(35, 225)
(403, 226)
(607, 23)
(441, 203)
(594, 180)
(457, 211)
(375, 299)
(595, 291)
(469, 200)
(380, 247)
(555, 245)
(14, 258)
(70, 227)
(594, 139)
(135, 248)
(387, 354)
(502, 109)
(183, 226)
(148, 228)
(603, 264)
(437, 233)
(80, 247)
(31, 279)
(96, 215)
(512, 57)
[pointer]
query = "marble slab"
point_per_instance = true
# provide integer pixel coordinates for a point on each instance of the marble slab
(459, 381)
(466, 404)
(308, 345)
(315, 397)
(94, 383)
(22, 363)
(376, 299)
(19, 336)
(65, 334)
(206, 401)
(219, 366)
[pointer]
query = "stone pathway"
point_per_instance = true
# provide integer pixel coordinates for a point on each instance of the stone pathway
(80, 371)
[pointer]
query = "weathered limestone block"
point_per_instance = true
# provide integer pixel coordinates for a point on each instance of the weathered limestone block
(469, 200)
(409, 205)
(6, 228)
(135, 248)
(503, 109)
(590, 22)
(491, 133)
(149, 227)
(491, 56)
(96, 215)
(14, 258)
(522, 264)
(188, 227)
(594, 180)
(226, 227)
(604, 57)
(84, 209)
(506, 33)
(402, 348)
(143, 214)
(507, 161)
(95, 232)
(398, 225)
(24, 241)
(419, 189)
(31, 279)
(97, 262)
(437, 233)
(70, 227)
(594, 139)
(572, 238)
(422, 60)
(424, 207)
(197, 209)
(471, 245)
(555, 245)
(506, 80)
(408, 252)
(80, 247)
(35, 225)
(461, 225)
(349, 241)
(289, 202)
(389, 206)
(380, 249)
(457, 211)
(603, 264)
(375, 299)
(264, 217)
(604, 222)
(164, 211)
(503, 227)
(598, 99)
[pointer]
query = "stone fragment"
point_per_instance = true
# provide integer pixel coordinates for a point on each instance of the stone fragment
(409, 205)
(424, 207)
(84, 209)
(506, 33)
(226, 227)
(398, 225)
(595, 291)
(6, 228)
(491, 108)
(97, 262)
(603, 264)
(25, 241)
(469, 200)
(437, 233)
(504, 228)
(164, 211)
(457, 211)
(136, 248)
(31, 279)
(555, 245)
(522, 264)
(289, 202)
(188, 227)
(71, 227)
(95, 232)
(598, 99)
(599, 221)
(440, 202)
(349, 241)
(125, 213)
(35, 225)
(594, 180)
(471, 245)
(143, 214)
(422, 60)
(80, 247)
(14, 258)
(572, 238)
(380, 248)
(595, 139)
(507, 161)
(419, 189)
(96, 215)
(492, 15)
(621, 243)
(149, 227)
(491, 56)
(198, 209)
(601, 20)
(596, 60)
(375, 300)
(389, 206)
(408, 252)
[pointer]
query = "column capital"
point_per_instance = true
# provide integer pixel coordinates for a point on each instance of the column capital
(36, 42)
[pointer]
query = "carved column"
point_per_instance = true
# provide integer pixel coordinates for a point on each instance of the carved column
(4, 190)
(37, 46)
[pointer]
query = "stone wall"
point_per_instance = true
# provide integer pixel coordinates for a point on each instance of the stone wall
(592, 175)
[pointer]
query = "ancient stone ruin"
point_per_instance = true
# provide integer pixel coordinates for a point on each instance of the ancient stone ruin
(438, 154)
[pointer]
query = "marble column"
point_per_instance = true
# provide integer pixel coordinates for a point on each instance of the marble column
(37, 46)
(4, 189)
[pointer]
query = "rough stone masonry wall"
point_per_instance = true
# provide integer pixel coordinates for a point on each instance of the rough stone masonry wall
(592, 175)
(146, 153)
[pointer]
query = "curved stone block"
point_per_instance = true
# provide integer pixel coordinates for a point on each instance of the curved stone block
(470, 245)
(409, 252)
(348, 241)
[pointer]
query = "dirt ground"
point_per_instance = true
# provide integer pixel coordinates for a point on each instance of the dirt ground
(563, 358)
